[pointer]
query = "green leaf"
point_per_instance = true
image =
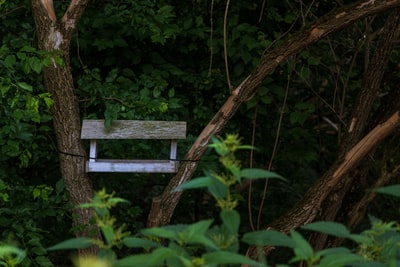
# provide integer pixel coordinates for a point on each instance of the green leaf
(314, 61)
(302, 248)
(116, 200)
(43, 261)
(226, 257)
(199, 182)
(329, 251)
(219, 146)
(231, 220)
(108, 233)
(74, 243)
(393, 190)
(9, 61)
(217, 189)
(6, 250)
(156, 258)
(339, 260)
(366, 263)
(35, 64)
(260, 173)
(198, 228)
(202, 240)
(361, 239)
(196, 234)
(330, 228)
(25, 86)
(235, 170)
(135, 242)
(163, 232)
(268, 238)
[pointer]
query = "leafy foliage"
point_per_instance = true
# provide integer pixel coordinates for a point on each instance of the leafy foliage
(206, 243)
(164, 60)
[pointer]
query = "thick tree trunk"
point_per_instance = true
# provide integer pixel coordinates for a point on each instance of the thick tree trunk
(164, 205)
(54, 37)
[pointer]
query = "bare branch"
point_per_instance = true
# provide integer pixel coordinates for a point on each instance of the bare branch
(48, 5)
(73, 14)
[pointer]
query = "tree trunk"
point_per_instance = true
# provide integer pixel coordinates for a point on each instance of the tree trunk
(371, 86)
(356, 202)
(164, 205)
(54, 37)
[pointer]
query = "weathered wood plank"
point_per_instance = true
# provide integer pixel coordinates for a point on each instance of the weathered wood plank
(134, 166)
(129, 129)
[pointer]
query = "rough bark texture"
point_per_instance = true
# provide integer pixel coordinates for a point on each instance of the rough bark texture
(164, 205)
(355, 203)
(54, 37)
(372, 84)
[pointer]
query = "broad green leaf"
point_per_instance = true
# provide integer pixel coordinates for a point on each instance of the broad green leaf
(21, 55)
(4, 89)
(302, 248)
(156, 258)
(204, 241)
(73, 243)
(260, 173)
(361, 239)
(9, 61)
(226, 257)
(196, 234)
(329, 251)
(108, 233)
(268, 238)
(339, 260)
(43, 261)
(25, 86)
(195, 183)
(217, 189)
(163, 232)
(197, 228)
(366, 263)
(330, 228)
(235, 170)
(135, 242)
(116, 200)
(35, 64)
(393, 190)
(27, 48)
(231, 220)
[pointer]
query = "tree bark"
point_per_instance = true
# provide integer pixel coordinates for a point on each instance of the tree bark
(372, 84)
(360, 195)
(164, 205)
(54, 37)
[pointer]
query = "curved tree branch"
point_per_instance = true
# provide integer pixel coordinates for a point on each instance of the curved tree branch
(165, 204)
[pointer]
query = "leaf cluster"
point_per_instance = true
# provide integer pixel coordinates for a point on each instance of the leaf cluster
(206, 243)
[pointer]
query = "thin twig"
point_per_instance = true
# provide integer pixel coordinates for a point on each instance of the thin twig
(211, 38)
(251, 166)
(11, 11)
(275, 149)
(261, 11)
(225, 48)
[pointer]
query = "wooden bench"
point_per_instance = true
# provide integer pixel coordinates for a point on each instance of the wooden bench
(130, 129)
